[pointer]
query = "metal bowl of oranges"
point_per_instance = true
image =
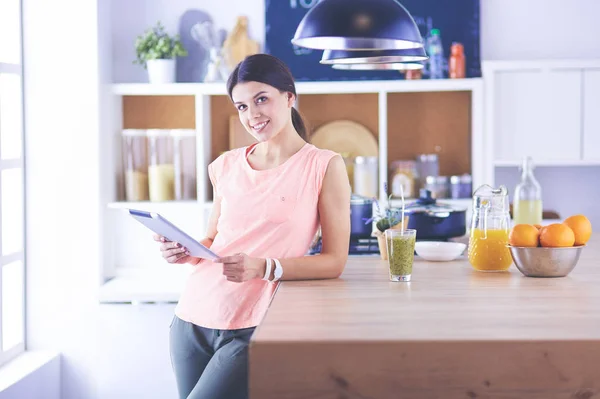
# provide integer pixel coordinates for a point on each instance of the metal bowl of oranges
(549, 251)
(545, 262)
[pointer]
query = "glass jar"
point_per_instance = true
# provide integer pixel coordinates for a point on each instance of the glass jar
(442, 187)
(527, 202)
(135, 164)
(427, 165)
(161, 170)
(438, 186)
(461, 186)
(490, 223)
(184, 162)
(403, 178)
(366, 176)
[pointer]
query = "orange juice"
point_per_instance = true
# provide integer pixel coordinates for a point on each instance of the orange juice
(491, 253)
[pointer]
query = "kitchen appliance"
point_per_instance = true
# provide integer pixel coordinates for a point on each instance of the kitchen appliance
(435, 220)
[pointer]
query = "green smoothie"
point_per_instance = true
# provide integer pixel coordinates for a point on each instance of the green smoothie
(401, 253)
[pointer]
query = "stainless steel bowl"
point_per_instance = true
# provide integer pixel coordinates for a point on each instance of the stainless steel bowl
(545, 262)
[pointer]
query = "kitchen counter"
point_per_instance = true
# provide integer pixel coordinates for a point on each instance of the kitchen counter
(452, 332)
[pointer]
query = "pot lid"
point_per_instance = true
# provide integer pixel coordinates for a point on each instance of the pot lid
(356, 199)
(426, 204)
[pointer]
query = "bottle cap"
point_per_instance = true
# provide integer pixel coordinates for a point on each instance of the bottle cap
(435, 32)
(457, 48)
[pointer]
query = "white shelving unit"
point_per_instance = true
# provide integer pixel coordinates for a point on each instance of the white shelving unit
(195, 213)
(342, 87)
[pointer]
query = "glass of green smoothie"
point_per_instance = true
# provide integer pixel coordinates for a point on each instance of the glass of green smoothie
(401, 253)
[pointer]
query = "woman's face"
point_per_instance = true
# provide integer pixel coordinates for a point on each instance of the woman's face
(264, 111)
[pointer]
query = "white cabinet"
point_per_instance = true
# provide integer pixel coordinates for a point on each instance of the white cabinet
(133, 352)
(537, 113)
(544, 109)
(591, 115)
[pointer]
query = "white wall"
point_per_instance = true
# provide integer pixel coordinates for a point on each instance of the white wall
(63, 194)
(567, 190)
(132, 17)
(510, 29)
(43, 383)
(539, 29)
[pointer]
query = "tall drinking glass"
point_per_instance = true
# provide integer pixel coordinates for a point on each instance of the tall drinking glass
(401, 253)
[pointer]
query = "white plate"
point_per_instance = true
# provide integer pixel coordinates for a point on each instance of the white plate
(438, 250)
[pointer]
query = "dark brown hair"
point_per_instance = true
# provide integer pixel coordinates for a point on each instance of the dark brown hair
(270, 70)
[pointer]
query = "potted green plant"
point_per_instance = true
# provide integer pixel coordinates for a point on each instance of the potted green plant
(385, 218)
(156, 51)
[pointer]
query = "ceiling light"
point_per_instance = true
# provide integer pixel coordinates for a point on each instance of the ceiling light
(373, 56)
(358, 25)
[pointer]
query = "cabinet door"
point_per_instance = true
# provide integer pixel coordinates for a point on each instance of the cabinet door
(133, 352)
(537, 113)
(591, 115)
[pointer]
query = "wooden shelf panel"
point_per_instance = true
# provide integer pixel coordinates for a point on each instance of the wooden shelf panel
(431, 122)
(221, 109)
(319, 109)
(159, 112)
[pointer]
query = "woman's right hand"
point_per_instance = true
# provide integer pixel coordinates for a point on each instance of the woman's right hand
(174, 252)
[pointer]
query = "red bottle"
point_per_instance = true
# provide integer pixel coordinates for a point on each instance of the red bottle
(457, 62)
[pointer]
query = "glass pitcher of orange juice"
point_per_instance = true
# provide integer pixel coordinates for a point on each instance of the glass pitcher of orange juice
(488, 250)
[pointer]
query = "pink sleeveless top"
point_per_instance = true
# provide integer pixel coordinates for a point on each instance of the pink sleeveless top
(264, 213)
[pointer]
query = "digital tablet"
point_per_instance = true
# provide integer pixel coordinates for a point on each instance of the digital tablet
(162, 226)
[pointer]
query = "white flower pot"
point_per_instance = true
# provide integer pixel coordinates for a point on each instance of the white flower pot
(161, 71)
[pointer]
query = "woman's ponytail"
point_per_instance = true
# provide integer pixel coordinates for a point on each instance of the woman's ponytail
(299, 125)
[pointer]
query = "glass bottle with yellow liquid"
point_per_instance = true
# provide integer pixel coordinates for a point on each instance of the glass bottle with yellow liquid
(490, 223)
(527, 202)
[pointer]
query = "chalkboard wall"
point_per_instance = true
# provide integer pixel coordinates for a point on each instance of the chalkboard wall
(457, 20)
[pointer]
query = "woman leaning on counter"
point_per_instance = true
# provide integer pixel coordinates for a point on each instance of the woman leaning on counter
(269, 200)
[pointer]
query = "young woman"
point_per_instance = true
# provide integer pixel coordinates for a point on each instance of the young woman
(269, 200)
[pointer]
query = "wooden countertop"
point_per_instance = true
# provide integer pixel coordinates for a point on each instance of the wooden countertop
(451, 332)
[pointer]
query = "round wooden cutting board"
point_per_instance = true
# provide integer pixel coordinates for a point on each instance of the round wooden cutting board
(346, 137)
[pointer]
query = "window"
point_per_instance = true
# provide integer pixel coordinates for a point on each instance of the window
(12, 218)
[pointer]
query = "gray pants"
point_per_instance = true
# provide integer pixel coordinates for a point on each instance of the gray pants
(209, 364)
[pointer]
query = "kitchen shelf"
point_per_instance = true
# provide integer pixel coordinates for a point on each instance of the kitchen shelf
(420, 114)
(168, 89)
(537, 163)
(343, 87)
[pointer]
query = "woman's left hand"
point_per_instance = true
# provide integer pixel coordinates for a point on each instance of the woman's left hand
(241, 267)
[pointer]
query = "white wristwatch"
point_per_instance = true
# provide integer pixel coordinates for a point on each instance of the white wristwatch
(278, 272)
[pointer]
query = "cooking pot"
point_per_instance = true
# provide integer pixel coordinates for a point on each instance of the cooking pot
(361, 211)
(433, 220)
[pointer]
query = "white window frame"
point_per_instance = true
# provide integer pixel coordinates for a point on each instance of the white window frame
(7, 354)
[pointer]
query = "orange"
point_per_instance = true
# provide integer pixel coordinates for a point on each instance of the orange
(581, 226)
(557, 235)
(524, 235)
(538, 226)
